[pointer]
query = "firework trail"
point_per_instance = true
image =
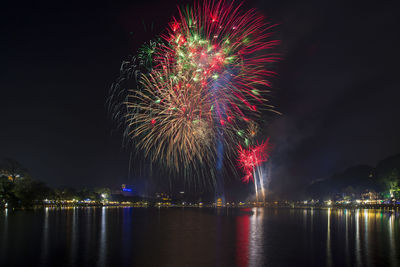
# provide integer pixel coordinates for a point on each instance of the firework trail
(199, 89)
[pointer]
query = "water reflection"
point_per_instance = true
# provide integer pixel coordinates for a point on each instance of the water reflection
(357, 233)
(312, 219)
(88, 234)
(242, 240)
(103, 242)
(74, 237)
(347, 245)
(250, 238)
(352, 237)
(126, 234)
(366, 239)
(393, 251)
(45, 231)
(328, 241)
(200, 237)
(256, 249)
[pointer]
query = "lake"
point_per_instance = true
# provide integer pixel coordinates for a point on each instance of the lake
(199, 237)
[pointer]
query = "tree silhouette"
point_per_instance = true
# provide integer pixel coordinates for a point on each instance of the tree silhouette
(13, 169)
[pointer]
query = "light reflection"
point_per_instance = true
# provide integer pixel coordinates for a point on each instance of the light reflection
(256, 237)
(102, 244)
(74, 244)
(250, 238)
(45, 237)
(347, 249)
(358, 248)
(242, 239)
(88, 233)
(127, 233)
(392, 245)
(353, 237)
(312, 220)
(328, 241)
(366, 241)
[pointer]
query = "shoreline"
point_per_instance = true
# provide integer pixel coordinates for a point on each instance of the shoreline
(389, 207)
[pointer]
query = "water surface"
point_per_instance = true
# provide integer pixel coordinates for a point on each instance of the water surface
(199, 237)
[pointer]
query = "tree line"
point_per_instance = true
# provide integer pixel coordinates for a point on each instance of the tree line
(19, 190)
(384, 179)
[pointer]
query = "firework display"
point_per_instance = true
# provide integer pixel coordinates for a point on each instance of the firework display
(204, 82)
(250, 160)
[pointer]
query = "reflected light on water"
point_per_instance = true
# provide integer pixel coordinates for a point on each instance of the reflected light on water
(358, 247)
(250, 238)
(74, 238)
(328, 241)
(256, 237)
(103, 242)
(45, 246)
(88, 233)
(242, 239)
(347, 247)
(200, 237)
(366, 241)
(393, 251)
(127, 232)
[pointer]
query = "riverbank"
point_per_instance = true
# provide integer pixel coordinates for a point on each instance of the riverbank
(146, 204)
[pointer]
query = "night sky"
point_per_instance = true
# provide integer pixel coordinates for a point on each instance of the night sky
(337, 88)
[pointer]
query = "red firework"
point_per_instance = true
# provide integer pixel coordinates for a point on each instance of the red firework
(252, 157)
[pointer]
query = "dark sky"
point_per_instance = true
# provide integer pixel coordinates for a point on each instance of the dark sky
(338, 86)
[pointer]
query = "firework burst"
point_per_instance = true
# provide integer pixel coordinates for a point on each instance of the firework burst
(250, 161)
(253, 157)
(204, 81)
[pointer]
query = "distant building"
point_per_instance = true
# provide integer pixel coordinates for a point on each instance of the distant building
(219, 202)
(127, 190)
(163, 200)
(163, 197)
(370, 195)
